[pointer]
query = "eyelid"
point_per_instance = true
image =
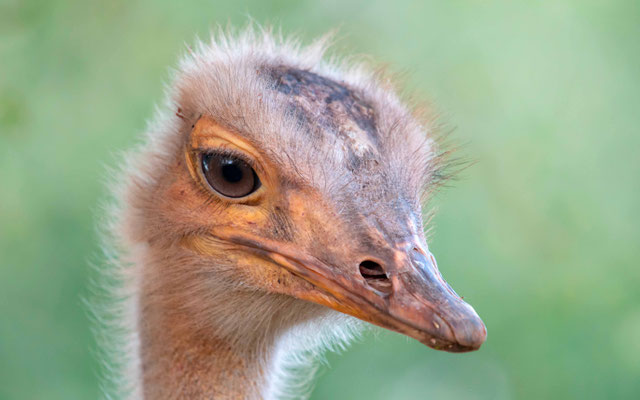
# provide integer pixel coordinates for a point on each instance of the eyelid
(229, 152)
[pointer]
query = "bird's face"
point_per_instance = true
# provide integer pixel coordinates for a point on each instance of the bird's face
(333, 218)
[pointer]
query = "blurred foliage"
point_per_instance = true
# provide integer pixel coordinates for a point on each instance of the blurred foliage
(541, 234)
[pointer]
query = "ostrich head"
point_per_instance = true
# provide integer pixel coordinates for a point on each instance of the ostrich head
(282, 187)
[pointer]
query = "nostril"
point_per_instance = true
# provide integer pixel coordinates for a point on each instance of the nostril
(375, 276)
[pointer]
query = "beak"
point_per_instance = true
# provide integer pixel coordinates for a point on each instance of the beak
(405, 293)
(428, 308)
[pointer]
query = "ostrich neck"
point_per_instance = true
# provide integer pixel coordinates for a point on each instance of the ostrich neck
(178, 361)
(184, 356)
(202, 338)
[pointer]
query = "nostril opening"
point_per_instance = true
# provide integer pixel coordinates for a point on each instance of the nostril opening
(371, 268)
(375, 276)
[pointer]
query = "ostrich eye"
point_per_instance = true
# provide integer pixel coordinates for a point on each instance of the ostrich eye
(229, 175)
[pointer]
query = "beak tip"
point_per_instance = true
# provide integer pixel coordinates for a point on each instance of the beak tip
(471, 335)
(463, 334)
(476, 340)
(464, 344)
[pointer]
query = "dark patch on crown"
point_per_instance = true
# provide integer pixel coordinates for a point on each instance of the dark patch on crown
(323, 103)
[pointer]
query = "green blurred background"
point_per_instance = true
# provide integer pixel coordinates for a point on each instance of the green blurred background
(541, 235)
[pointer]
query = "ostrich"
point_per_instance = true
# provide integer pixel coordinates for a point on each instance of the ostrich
(275, 204)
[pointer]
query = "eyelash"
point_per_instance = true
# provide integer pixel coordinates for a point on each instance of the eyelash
(231, 153)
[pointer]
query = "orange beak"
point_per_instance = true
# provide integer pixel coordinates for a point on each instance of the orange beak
(406, 294)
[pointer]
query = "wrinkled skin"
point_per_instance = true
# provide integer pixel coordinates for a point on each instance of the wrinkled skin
(294, 238)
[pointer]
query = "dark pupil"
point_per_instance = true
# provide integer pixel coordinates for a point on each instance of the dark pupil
(231, 171)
